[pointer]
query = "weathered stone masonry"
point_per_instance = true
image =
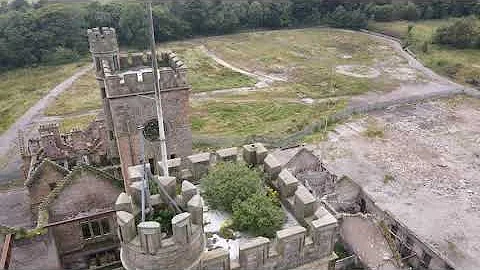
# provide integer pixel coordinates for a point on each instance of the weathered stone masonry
(144, 247)
(127, 90)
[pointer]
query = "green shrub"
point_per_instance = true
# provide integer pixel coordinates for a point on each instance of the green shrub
(258, 215)
(463, 33)
(229, 182)
(226, 230)
(60, 56)
(164, 217)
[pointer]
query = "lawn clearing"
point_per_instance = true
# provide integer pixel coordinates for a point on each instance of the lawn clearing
(204, 74)
(265, 118)
(82, 96)
(460, 65)
(22, 88)
(77, 122)
(310, 59)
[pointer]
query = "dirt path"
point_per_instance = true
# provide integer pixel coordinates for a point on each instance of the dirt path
(27, 123)
(264, 80)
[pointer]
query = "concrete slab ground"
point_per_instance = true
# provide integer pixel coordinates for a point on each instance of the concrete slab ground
(367, 242)
(15, 208)
(420, 162)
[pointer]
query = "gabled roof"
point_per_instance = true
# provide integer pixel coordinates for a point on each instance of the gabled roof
(43, 165)
(66, 181)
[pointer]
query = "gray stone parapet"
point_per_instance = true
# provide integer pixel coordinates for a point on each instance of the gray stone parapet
(102, 39)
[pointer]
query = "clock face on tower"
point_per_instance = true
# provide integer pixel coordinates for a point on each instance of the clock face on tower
(150, 130)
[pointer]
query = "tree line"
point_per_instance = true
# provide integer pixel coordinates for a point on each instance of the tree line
(56, 33)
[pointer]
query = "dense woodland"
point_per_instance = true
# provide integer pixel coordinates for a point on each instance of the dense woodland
(56, 33)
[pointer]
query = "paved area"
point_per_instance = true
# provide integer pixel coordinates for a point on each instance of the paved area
(424, 170)
(15, 208)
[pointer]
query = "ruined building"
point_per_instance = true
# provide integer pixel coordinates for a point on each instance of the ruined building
(73, 179)
(127, 91)
(67, 150)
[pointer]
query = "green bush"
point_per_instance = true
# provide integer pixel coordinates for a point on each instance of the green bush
(226, 230)
(463, 33)
(61, 56)
(258, 215)
(348, 19)
(229, 182)
(164, 217)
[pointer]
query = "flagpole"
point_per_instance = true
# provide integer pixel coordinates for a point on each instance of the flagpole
(158, 101)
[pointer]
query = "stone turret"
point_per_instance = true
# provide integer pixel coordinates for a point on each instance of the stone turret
(144, 245)
(102, 40)
(126, 83)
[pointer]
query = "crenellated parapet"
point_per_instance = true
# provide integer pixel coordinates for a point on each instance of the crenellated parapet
(143, 243)
(136, 76)
(102, 40)
(144, 246)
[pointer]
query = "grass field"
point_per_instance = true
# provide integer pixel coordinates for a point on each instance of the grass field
(82, 96)
(76, 122)
(22, 88)
(309, 58)
(265, 118)
(204, 74)
(457, 64)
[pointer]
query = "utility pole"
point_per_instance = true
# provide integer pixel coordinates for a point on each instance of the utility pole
(158, 100)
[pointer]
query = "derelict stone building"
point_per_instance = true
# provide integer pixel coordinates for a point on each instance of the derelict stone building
(127, 90)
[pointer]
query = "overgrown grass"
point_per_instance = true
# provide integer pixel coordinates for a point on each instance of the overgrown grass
(77, 122)
(84, 95)
(374, 130)
(268, 118)
(308, 57)
(22, 88)
(204, 74)
(460, 65)
(387, 178)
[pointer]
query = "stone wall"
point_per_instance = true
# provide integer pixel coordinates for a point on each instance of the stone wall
(127, 87)
(292, 247)
(350, 197)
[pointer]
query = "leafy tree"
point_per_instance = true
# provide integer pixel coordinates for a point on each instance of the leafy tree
(98, 16)
(384, 13)
(19, 5)
(17, 46)
(167, 26)
(258, 215)
(276, 15)
(345, 19)
(410, 12)
(428, 13)
(133, 28)
(255, 14)
(196, 13)
(59, 26)
(230, 182)
(463, 33)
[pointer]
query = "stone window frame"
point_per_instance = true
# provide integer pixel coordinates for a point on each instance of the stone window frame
(93, 233)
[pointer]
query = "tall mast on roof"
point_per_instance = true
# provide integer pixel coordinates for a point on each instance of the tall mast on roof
(158, 101)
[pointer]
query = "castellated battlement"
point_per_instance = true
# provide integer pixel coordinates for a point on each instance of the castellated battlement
(136, 76)
(102, 40)
(145, 247)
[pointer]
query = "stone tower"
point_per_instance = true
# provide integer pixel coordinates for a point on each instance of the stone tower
(127, 90)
